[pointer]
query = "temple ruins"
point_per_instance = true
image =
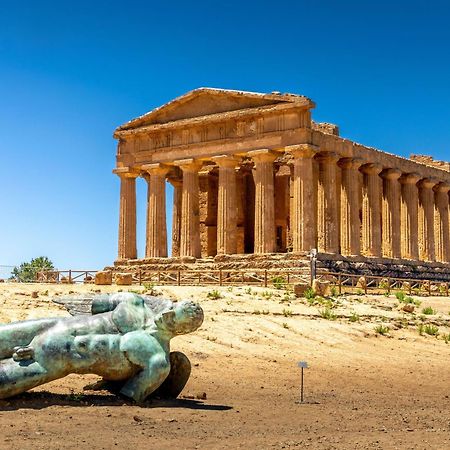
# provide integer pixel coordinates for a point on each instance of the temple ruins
(253, 174)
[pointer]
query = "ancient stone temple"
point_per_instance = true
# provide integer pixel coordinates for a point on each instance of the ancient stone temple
(253, 174)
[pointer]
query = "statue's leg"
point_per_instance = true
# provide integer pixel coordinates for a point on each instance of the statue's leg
(180, 370)
(20, 376)
(20, 334)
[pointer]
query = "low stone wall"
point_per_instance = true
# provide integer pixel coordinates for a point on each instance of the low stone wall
(385, 267)
(290, 262)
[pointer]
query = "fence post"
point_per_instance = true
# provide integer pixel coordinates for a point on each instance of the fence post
(159, 277)
(389, 285)
(70, 277)
(179, 278)
(365, 287)
(265, 278)
(339, 284)
(220, 277)
(140, 276)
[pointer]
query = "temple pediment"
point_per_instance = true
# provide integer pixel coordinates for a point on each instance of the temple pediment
(207, 101)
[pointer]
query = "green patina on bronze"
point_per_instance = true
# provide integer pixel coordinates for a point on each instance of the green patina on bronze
(124, 341)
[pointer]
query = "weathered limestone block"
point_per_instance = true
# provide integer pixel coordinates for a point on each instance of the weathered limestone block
(362, 283)
(300, 289)
(408, 308)
(321, 288)
(103, 277)
(406, 286)
(124, 279)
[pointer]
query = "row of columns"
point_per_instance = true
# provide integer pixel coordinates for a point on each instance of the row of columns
(382, 213)
(400, 218)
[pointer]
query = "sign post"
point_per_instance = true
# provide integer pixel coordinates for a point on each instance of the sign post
(313, 264)
(302, 365)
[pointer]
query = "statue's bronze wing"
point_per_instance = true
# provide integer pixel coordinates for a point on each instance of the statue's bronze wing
(82, 303)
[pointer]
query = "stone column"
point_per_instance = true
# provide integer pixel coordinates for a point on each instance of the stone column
(327, 204)
(303, 207)
(442, 222)
(371, 210)
(390, 214)
(226, 205)
(350, 195)
(190, 214)
(409, 216)
(264, 201)
(176, 215)
(426, 220)
(156, 238)
(127, 213)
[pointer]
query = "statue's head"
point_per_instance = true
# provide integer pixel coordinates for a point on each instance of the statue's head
(184, 317)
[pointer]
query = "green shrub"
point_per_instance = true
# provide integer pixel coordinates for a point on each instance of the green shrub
(403, 298)
(279, 282)
(327, 313)
(214, 294)
(354, 317)
(430, 329)
(309, 294)
(428, 310)
(287, 312)
(150, 287)
(382, 329)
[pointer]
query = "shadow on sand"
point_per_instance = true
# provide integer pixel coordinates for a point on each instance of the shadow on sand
(42, 400)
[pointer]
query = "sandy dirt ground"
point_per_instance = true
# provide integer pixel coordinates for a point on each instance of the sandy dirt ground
(363, 390)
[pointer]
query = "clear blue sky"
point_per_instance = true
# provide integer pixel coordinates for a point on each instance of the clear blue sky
(70, 72)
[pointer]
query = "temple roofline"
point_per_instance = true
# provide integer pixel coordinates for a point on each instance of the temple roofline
(272, 98)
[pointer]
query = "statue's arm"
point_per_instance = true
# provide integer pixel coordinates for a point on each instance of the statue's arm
(148, 379)
(146, 352)
(104, 303)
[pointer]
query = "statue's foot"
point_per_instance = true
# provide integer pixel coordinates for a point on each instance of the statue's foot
(23, 353)
(180, 370)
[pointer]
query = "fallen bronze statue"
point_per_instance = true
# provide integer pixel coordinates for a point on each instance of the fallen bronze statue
(125, 340)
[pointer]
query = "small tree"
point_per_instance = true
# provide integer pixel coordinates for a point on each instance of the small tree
(27, 271)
